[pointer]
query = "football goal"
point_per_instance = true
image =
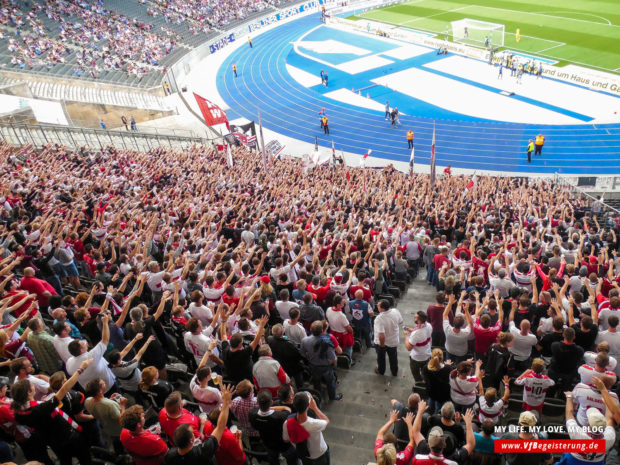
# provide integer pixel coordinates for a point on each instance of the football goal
(480, 33)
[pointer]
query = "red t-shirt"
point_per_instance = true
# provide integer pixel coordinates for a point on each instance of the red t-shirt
(485, 337)
(402, 458)
(23, 307)
(170, 425)
(439, 260)
(367, 293)
(228, 451)
(38, 286)
(146, 448)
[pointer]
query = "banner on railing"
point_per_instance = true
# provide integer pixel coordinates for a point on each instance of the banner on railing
(274, 148)
(245, 133)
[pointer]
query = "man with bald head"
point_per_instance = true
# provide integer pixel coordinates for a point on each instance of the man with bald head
(42, 289)
(524, 340)
(361, 314)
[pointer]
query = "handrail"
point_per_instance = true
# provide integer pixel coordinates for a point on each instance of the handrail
(563, 181)
(39, 135)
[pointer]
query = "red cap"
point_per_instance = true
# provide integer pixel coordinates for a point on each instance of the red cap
(265, 279)
(593, 259)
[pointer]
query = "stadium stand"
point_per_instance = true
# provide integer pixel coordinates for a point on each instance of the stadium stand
(175, 266)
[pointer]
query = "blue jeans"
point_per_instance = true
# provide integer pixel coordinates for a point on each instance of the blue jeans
(324, 374)
(364, 333)
(392, 353)
(430, 271)
(434, 406)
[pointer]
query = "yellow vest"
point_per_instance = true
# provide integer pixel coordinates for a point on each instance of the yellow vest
(540, 140)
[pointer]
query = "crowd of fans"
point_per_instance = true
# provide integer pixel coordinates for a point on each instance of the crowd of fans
(151, 299)
(94, 39)
(98, 38)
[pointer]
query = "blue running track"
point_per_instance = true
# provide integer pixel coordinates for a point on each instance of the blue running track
(290, 109)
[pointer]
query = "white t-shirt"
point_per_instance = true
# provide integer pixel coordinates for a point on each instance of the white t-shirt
(41, 387)
(586, 397)
(577, 432)
(586, 373)
(490, 412)
(456, 343)
(463, 391)
(294, 332)
(283, 307)
(522, 347)
(208, 397)
(198, 344)
(535, 388)
(420, 339)
(202, 312)
(97, 369)
(388, 323)
(337, 320)
(316, 442)
(61, 344)
(590, 357)
(613, 339)
(154, 280)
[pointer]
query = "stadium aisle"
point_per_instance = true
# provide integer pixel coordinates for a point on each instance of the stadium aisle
(364, 407)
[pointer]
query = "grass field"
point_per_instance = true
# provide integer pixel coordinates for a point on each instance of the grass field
(580, 32)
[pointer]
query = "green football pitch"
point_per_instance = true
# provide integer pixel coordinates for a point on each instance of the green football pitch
(581, 32)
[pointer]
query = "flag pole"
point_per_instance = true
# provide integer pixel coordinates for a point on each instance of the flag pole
(262, 141)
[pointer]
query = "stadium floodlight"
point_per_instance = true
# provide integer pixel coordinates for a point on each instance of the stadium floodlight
(481, 33)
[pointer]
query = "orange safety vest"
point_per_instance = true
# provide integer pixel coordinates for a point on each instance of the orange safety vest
(540, 140)
(410, 135)
(324, 120)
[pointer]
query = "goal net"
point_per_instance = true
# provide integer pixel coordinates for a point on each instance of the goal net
(480, 33)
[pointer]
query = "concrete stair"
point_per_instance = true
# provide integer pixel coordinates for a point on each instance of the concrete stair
(365, 406)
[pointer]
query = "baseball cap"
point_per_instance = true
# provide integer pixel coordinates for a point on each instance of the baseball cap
(527, 419)
(595, 418)
(265, 279)
(435, 437)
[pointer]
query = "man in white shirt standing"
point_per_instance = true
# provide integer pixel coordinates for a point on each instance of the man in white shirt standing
(386, 340)
(524, 340)
(99, 368)
(301, 427)
(612, 337)
(418, 343)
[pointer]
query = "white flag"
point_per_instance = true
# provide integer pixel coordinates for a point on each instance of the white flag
(229, 156)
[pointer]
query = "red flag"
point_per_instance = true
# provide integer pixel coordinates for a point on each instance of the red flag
(348, 176)
(367, 154)
(471, 184)
(433, 158)
(211, 112)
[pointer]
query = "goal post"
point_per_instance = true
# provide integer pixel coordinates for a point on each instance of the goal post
(480, 33)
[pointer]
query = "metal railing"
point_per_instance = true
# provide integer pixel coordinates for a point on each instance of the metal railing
(39, 135)
(565, 183)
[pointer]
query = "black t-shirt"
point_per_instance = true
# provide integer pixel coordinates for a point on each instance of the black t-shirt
(270, 428)
(456, 429)
(566, 358)
(460, 455)
(199, 455)
(54, 429)
(238, 363)
(585, 339)
(546, 342)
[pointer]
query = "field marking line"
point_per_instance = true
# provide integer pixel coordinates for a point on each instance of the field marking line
(432, 16)
(609, 23)
(545, 49)
(543, 14)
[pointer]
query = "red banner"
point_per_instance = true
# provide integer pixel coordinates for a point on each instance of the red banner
(211, 112)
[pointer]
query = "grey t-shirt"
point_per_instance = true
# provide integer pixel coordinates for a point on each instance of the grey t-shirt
(128, 375)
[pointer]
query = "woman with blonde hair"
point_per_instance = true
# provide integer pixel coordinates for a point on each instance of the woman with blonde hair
(385, 442)
(436, 374)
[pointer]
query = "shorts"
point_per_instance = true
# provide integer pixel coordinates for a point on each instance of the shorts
(529, 408)
(71, 269)
(60, 270)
